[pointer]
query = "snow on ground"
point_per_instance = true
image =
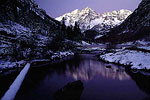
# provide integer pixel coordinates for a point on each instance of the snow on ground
(138, 43)
(8, 64)
(13, 89)
(144, 47)
(127, 43)
(137, 60)
(94, 49)
(40, 60)
(73, 42)
(98, 36)
(15, 29)
(142, 43)
(85, 43)
(61, 54)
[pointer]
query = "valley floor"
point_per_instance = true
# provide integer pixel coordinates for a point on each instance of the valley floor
(134, 54)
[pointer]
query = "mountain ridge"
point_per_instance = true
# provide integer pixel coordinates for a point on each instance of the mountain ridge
(87, 18)
(135, 27)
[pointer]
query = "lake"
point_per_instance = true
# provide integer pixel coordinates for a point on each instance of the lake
(101, 81)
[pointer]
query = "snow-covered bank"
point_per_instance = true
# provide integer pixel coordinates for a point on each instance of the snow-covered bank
(138, 43)
(135, 59)
(85, 43)
(13, 89)
(9, 64)
(144, 47)
(40, 60)
(94, 49)
(55, 58)
(60, 55)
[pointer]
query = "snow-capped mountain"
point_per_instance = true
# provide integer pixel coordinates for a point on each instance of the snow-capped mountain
(88, 18)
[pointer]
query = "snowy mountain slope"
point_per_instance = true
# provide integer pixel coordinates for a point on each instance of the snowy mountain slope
(135, 27)
(26, 31)
(90, 19)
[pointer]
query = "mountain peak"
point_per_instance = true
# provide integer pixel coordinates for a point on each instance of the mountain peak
(87, 8)
(75, 11)
(88, 18)
(124, 11)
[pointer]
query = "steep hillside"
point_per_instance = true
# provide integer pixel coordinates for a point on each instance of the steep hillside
(26, 13)
(135, 27)
(26, 31)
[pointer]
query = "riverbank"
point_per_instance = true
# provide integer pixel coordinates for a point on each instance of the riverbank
(14, 69)
(136, 57)
(6, 65)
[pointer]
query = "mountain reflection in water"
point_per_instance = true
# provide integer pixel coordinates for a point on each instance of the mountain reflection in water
(87, 69)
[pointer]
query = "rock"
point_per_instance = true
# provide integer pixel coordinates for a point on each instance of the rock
(148, 98)
(108, 66)
(71, 91)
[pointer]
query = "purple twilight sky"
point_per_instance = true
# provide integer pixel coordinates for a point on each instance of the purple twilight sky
(56, 8)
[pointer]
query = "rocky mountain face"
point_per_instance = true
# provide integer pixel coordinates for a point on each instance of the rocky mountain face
(90, 19)
(136, 26)
(25, 29)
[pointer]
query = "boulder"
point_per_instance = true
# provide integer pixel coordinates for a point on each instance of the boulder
(71, 91)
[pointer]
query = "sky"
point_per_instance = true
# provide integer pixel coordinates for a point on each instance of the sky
(56, 8)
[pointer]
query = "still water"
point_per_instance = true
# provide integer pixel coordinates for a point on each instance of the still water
(99, 81)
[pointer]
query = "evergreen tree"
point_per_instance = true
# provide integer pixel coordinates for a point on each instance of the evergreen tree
(70, 32)
(77, 32)
(63, 28)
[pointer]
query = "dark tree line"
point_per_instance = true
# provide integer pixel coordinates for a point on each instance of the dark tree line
(65, 32)
(72, 32)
